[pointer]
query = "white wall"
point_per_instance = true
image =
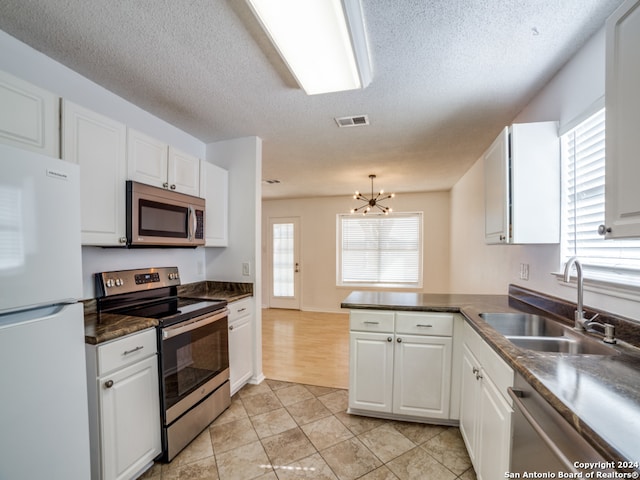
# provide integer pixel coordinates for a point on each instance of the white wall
(318, 244)
(480, 268)
(242, 158)
(190, 262)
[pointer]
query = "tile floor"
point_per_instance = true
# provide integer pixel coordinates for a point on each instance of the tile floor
(284, 431)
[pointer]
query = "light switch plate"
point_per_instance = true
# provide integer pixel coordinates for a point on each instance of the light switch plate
(246, 269)
(524, 271)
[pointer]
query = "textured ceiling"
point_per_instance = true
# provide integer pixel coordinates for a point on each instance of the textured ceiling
(447, 74)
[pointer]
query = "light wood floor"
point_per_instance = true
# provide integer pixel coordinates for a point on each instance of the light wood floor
(306, 347)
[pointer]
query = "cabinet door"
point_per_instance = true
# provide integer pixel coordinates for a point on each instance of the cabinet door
(29, 116)
(622, 202)
(422, 376)
(98, 145)
(371, 371)
(469, 398)
(496, 190)
(240, 352)
(183, 174)
(494, 449)
(214, 188)
(147, 159)
(535, 183)
(130, 417)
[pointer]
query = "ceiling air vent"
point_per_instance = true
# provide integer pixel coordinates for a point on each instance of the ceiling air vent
(353, 121)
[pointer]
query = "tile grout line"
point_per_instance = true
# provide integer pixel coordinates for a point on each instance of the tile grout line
(241, 399)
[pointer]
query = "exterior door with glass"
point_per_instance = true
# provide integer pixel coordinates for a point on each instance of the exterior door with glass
(285, 263)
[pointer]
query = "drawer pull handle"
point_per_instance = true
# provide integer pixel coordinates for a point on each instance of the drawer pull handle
(425, 326)
(108, 384)
(240, 310)
(368, 322)
(133, 350)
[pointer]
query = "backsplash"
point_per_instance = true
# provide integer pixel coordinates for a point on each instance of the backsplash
(627, 330)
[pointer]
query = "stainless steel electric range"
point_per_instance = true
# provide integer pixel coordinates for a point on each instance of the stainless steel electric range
(193, 360)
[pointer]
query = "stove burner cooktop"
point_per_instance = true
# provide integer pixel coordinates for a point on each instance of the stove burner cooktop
(172, 310)
(150, 293)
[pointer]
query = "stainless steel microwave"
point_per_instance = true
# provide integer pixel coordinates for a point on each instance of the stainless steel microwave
(159, 217)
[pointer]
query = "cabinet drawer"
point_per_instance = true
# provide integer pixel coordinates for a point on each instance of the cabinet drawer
(435, 324)
(371, 321)
(126, 350)
(240, 308)
(493, 366)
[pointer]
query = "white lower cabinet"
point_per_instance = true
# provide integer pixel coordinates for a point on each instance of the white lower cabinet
(124, 406)
(401, 364)
(422, 376)
(240, 343)
(485, 408)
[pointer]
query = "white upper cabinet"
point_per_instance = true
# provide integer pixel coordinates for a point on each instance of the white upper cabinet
(98, 145)
(214, 188)
(183, 172)
(522, 185)
(29, 116)
(155, 163)
(622, 202)
(496, 194)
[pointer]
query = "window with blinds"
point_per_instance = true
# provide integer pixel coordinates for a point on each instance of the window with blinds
(583, 151)
(380, 250)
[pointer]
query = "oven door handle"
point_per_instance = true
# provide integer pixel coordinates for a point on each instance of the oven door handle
(185, 327)
(515, 396)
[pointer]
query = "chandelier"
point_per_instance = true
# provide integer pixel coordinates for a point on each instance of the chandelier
(373, 201)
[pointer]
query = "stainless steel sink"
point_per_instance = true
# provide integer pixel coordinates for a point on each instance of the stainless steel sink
(523, 324)
(534, 332)
(563, 345)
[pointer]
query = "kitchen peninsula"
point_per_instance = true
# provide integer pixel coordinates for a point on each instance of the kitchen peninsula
(610, 426)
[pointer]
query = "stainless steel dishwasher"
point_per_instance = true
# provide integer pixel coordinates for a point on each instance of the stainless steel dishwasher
(543, 441)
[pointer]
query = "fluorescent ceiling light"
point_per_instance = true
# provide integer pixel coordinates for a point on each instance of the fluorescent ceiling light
(323, 42)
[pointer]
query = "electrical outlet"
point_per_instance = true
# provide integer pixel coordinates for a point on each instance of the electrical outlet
(246, 269)
(524, 271)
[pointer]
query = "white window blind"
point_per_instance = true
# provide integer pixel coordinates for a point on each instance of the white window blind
(380, 250)
(584, 161)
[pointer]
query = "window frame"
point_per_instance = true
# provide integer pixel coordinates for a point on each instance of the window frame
(375, 284)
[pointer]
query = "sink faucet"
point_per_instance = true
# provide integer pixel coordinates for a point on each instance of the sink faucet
(581, 323)
(579, 314)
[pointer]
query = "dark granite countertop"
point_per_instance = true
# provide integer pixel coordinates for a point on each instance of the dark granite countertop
(99, 328)
(211, 290)
(598, 395)
(102, 327)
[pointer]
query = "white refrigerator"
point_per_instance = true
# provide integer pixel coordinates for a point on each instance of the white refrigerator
(44, 426)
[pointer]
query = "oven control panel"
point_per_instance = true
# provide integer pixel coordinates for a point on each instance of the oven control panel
(142, 278)
(128, 281)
